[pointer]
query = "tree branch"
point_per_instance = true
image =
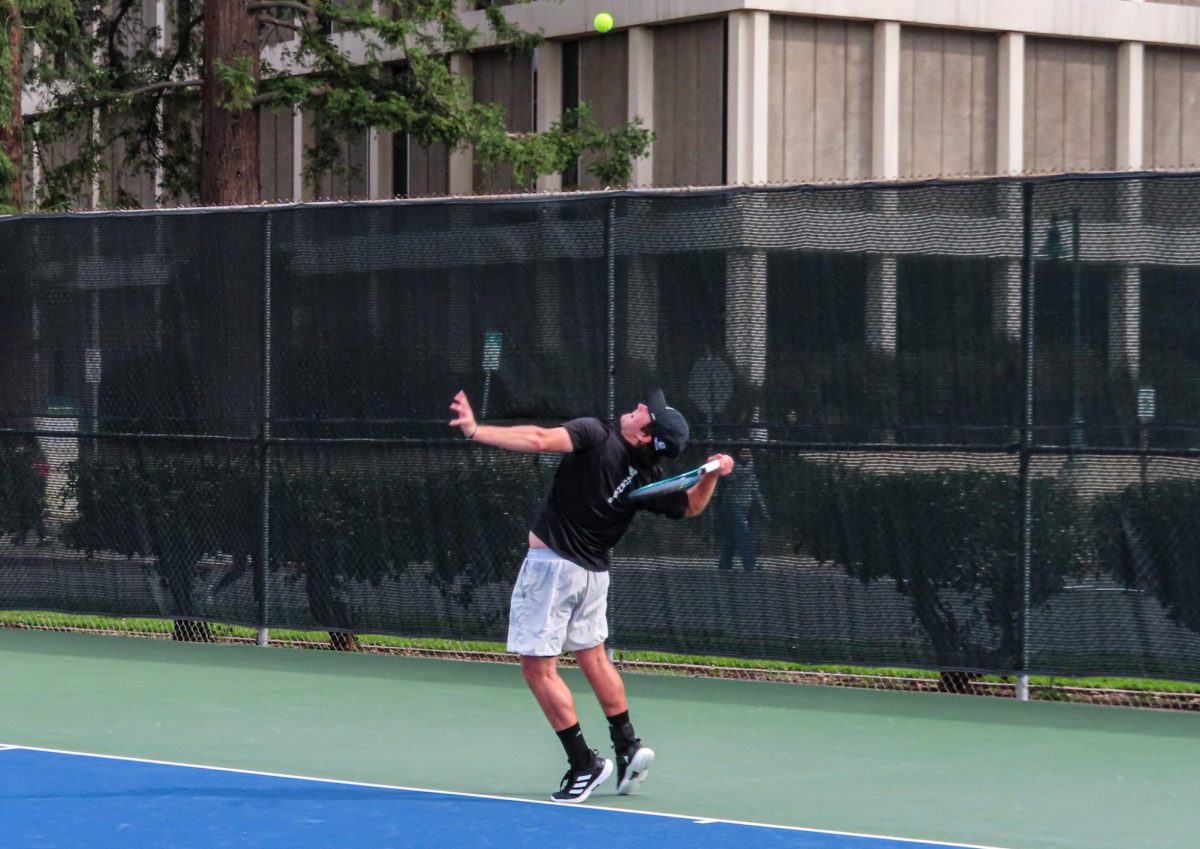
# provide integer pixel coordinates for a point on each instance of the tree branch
(307, 11)
(279, 22)
(112, 98)
(281, 4)
(146, 89)
(114, 26)
(268, 96)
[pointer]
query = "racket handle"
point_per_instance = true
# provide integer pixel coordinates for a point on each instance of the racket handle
(711, 466)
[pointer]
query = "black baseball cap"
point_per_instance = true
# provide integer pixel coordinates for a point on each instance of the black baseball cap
(669, 429)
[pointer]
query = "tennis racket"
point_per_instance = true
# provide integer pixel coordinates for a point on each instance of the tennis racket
(675, 483)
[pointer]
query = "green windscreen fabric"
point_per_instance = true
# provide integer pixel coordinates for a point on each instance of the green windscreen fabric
(966, 415)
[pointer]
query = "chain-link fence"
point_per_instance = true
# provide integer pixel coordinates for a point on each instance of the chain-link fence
(967, 415)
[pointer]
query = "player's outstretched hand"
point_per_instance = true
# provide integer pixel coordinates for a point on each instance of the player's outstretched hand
(726, 463)
(465, 416)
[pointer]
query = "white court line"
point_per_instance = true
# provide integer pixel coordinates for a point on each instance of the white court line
(525, 801)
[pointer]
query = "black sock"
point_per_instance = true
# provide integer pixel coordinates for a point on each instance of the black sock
(618, 719)
(578, 753)
(621, 730)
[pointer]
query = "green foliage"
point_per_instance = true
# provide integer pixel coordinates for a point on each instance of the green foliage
(22, 488)
(947, 539)
(173, 505)
(239, 81)
(563, 144)
(1150, 539)
(9, 18)
(105, 57)
(336, 519)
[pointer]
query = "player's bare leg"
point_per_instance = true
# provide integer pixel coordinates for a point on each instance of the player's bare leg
(633, 759)
(551, 691)
(586, 769)
(604, 679)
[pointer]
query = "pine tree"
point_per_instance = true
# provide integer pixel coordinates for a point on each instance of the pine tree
(184, 102)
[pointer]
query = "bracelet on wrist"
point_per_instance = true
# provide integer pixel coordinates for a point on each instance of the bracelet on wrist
(475, 431)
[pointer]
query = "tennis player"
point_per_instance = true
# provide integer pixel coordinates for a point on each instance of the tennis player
(560, 601)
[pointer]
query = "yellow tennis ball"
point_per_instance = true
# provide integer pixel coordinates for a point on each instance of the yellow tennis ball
(603, 22)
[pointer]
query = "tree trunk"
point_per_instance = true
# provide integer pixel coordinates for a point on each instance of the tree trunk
(962, 683)
(343, 641)
(10, 136)
(229, 168)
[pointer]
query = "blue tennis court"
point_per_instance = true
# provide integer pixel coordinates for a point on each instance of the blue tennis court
(327, 750)
(51, 799)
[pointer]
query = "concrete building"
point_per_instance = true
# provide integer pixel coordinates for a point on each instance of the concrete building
(797, 91)
(740, 91)
(781, 91)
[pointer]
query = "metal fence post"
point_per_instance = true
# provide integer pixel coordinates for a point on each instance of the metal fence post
(1025, 495)
(610, 258)
(265, 441)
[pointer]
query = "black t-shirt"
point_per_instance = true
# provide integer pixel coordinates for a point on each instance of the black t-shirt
(587, 508)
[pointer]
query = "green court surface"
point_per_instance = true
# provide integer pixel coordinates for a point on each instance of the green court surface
(958, 769)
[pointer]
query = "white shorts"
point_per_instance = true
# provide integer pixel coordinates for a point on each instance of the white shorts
(557, 606)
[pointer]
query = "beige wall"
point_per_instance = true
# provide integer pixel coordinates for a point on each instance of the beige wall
(1172, 90)
(948, 100)
(276, 153)
(819, 120)
(28, 175)
(123, 185)
(689, 101)
(508, 80)
(181, 121)
(428, 171)
(59, 153)
(1070, 105)
(349, 180)
(603, 70)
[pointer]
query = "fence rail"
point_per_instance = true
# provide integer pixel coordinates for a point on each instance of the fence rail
(967, 415)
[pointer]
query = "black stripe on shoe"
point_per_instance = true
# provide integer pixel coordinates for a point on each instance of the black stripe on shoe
(578, 784)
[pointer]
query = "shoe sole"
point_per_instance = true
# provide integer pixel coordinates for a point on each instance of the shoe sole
(636, 772)
(587, 791)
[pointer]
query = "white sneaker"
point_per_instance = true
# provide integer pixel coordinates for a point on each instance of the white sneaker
(578, 784)
(632, 766)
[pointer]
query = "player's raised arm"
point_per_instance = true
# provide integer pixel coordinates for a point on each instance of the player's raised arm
(701, 493)
(527, 438)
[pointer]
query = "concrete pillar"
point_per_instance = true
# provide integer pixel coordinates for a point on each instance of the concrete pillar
(547, 80)
(1125, 310)
(1010, 159)
(96, 178)
(1124, 323)
(160, 47)
(746, 313)
(1131, 107)
(747, 97)
(60, 452)
(640, 86)
(1006, 299)
(1010, 112)
(881, 269)
(462, 161)
(885, 126)
(642, 305)
(297, 155)
(881, 304)
(548, 313)
(379, 164)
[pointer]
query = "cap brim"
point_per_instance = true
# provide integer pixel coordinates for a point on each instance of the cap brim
(657, 402)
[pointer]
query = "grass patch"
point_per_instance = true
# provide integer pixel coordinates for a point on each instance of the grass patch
(164, 628)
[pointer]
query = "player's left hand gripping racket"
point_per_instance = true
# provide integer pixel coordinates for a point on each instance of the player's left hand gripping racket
(675, 483)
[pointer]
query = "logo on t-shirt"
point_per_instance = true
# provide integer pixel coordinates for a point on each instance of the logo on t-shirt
(623, 485)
